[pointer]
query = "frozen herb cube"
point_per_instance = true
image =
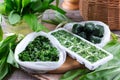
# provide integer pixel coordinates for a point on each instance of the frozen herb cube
(79, 46)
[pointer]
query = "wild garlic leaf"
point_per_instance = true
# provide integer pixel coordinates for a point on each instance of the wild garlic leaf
(114, 36)
(45, 3)
(57, 3)
(62, 17)
(11, 60)
(42, 27)
(31, 20)
(3, 68)
(18, 4)
(33, 0)
(2, 8)
(0, 18)
(36, 6)
(70, 75)
(57, 9)
(105, 74)
(58, 19)
(9, 6)
(4, 44)
(1, 33)
(25, 3)
(14, 18)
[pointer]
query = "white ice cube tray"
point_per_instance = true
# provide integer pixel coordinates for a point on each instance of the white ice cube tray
(80, 59)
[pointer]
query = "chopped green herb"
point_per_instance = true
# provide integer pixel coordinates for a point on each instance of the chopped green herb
(77, 45)
(39, 50)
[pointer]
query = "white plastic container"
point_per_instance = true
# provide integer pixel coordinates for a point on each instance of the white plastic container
(79, 58)
(39, 66)
(106, 37)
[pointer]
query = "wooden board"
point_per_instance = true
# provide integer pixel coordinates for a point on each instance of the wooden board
(55, 74)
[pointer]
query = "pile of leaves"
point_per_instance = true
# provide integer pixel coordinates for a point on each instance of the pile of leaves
(40, 49)
(7, 61)
(27, 10)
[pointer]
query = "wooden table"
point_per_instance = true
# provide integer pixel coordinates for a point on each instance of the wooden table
(20, 74)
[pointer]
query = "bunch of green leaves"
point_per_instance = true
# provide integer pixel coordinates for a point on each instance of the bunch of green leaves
(40, 50)
(108, 71)
(7, 47)
(27, 10)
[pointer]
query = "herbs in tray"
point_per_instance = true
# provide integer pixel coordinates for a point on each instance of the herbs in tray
(79, 46)
(89, 31)
(108, 71)
(40, 50)
(84, 51)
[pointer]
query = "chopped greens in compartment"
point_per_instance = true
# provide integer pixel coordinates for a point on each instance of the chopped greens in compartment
(77, 45)
(40, 49)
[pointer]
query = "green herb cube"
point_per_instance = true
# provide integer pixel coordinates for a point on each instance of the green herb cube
(79, 46)
(40, 49)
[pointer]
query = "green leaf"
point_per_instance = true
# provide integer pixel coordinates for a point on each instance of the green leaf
(51, 21)
(11, 59)
(0, 18)
(2, 8)
(14, 18)
(1, 33)
(62, 17)
(57, 3)
(3, 68)
(4, 44)
(42, 28)
(18, 4)
(50, 1)
(45, 4)
(114, 36)
(59, 18)
(31, 20)
(6, 54)
(36, 5)
(71, 75)
(104, 74)
(9, 6)
(34, 0)
(57, 9)
(25, 3)
(9, 39)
